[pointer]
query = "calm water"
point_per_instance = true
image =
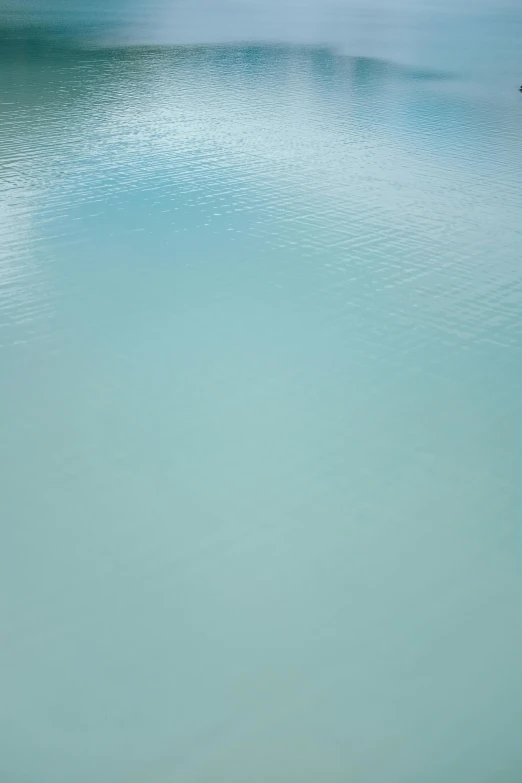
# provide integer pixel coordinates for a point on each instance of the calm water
(260, 399)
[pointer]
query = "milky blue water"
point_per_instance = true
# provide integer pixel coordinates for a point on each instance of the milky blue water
(260, 394)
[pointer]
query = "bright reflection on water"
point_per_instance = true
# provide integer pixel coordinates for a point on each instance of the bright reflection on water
(260, 398)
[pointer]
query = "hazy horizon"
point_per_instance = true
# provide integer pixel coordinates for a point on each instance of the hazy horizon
(459, 34)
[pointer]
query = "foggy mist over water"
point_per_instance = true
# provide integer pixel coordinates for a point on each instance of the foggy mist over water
(437, 33)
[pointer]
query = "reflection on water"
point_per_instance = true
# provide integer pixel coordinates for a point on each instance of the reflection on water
(260, 359)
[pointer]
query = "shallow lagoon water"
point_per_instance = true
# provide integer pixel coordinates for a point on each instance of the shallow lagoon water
(260, 414)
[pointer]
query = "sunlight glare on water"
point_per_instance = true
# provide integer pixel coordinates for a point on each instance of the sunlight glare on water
(260, 359)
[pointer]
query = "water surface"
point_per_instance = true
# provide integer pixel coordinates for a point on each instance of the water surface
(260, 412)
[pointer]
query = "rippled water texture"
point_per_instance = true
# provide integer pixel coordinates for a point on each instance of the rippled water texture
(260, 360)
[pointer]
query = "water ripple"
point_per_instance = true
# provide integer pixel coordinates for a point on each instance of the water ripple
(260, 345)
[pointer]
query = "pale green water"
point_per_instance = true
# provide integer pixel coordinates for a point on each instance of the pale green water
(260, 323)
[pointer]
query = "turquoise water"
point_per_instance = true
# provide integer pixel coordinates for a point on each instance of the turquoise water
(260, 357)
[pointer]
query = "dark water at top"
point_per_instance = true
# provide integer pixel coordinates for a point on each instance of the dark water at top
(468, 35)
(260, 393)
